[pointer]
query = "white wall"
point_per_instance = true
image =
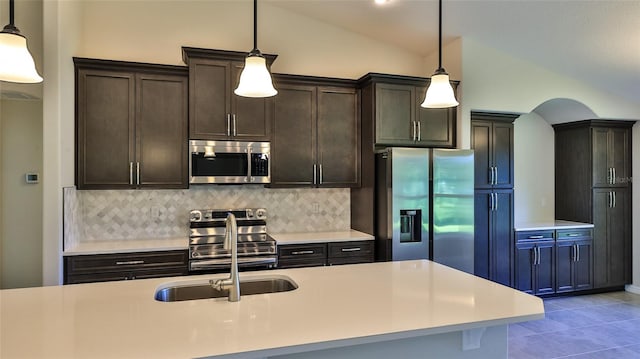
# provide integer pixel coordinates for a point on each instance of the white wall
(533, 170)
(62, 33)
(21, 151)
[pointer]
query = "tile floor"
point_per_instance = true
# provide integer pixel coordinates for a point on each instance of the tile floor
(600, 326)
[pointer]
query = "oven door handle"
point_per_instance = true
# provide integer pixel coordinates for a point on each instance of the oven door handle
(213, 263)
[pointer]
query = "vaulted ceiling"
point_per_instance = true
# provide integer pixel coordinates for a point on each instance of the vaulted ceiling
(594, 41)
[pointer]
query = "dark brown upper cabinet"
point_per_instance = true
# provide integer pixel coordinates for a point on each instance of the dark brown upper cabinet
(316, 137)
(131, 125)
(392, 115)
(492, 143)
(215, 112)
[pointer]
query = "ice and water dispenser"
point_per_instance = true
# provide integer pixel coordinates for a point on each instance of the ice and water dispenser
(410, 223)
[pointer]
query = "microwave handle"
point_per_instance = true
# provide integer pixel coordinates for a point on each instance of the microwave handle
(249, 174)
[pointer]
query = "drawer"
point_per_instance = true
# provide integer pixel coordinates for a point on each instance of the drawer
(576, 233)
(351, 249)
(302, 251)
(544, 235)
(125, 275)
(124, 261)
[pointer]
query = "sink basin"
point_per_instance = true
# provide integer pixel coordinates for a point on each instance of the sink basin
(190, 290)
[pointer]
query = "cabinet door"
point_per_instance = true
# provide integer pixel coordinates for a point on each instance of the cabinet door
(482, 232)
(338, 137)
(601, 203)
(395, 114)
(524, 279)
(251, 117)
(619, 156)
(480, 143)
(618, 239)
(565, 255)
(437, 126)
(600, 150)
(583, 271)
(293, 149)
(161, 131)
(105, 106)
(209, 99)
(546, 269)
(502, 143)
(502, 238)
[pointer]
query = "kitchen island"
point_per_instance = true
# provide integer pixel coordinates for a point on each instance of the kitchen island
(376, 310)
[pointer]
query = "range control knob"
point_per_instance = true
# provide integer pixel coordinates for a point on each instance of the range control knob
(261, 213)
(249, 213)
(195, 216)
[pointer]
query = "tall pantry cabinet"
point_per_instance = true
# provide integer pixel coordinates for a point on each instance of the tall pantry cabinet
(492, 142)
(593, 184)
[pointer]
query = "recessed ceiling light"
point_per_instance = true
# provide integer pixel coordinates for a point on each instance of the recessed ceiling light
(382, 2)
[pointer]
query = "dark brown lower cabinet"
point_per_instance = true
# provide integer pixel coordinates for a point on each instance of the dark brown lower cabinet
(535, 271)
(321, 254)
(573, 265)
(302, 255)
(124, 266)
(611, 237)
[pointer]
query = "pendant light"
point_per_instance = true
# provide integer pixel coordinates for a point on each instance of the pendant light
(255, 79)
(16, 63)
(439, 93)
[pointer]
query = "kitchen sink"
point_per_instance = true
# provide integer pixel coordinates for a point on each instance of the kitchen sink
(199, 289)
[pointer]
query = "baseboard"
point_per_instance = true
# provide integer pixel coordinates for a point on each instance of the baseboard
(632, 288)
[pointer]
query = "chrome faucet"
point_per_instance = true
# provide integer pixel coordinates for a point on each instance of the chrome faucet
(231, 244)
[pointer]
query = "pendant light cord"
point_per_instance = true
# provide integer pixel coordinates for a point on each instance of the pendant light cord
(255, 25)
(11, 13)
(440, 35)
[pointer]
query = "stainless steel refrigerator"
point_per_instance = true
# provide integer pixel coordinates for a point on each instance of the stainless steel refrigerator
(424, 205)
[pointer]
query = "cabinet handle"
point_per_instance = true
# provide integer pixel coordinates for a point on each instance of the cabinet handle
(538, 248)
(491, 175)
(490, 201)
(614, 199)
(235, 133)
(296, 253)
(138, 173)
(419, 130)
(577, 253)
(573, 252)
(354, 249)
(535, 255)
(123, 263)
(495, 176)
(495, 199)
(413, 130)
(320, 167)
(609, 174)
(610, 200)
(613, 178)
(228, 124)
(573, 235)
(315, 167)
(131, 173)
(536, 237)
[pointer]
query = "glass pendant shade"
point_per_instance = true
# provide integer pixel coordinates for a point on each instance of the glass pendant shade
(439, 93)
(16, 63)
(255, 79)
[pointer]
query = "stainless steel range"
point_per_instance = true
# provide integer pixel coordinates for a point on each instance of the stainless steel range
(207, 229)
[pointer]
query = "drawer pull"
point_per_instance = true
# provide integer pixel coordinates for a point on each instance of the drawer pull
(124, 263)
(295, 253)
(536, 237)
(573, 235)
(354, 249)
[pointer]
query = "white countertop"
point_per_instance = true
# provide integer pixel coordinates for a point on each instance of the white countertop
(333, 306)
(320, 237)
(553, 224)
(127, 246)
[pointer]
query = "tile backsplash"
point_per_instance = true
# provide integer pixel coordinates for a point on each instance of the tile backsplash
(141, 214)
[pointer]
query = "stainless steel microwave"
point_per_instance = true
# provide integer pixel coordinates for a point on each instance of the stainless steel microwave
(229, 162)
